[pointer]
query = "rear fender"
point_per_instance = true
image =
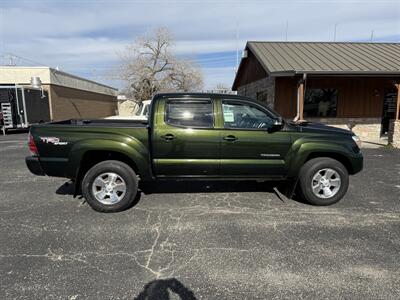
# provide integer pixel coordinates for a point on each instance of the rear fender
(131, 148)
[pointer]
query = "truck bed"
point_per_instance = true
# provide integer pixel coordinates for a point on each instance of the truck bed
(63, 145)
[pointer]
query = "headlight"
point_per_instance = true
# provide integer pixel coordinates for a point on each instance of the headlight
(357, 140)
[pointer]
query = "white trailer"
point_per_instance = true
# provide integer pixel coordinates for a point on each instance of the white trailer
(23, 106)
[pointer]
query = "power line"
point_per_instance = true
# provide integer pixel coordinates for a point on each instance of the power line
(13, 58)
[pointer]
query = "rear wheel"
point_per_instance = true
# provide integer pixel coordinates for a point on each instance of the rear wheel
(110, 186)
(323, 181)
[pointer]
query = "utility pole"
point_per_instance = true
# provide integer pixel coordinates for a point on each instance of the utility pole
(10, 58)
(286, 32)
(334, 34)
(372, 35)
(237, 46)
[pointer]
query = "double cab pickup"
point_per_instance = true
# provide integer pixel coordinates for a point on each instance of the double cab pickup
(195, 136)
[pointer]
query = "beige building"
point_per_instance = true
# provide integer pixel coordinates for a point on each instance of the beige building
(68, 96)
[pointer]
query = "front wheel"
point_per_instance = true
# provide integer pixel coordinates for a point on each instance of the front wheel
(110, 186)
(323, 181)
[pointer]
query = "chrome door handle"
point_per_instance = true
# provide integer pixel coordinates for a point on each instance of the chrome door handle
(168, 137)
(230, 138)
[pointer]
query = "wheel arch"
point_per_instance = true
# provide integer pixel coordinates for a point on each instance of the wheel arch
(89, 152)
(93, 157)
(308, 150)
(334, 155)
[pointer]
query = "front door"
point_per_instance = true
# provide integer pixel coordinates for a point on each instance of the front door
(251, 146)
(185, 142)
(389, 109)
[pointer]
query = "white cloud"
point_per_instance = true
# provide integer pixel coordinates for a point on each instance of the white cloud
(86, 35)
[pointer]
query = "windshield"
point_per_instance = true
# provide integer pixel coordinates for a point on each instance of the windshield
(146, 110)
(143, 110)
(139, 110)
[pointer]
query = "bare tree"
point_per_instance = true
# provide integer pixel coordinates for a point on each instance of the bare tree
(186, 76)
(149, 66)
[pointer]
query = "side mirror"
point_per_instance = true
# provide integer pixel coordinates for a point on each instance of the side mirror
(278, 122)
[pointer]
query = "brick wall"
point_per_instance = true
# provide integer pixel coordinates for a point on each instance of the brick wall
(394, 133)
(368, 129)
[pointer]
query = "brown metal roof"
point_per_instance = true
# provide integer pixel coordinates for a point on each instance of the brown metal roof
(280, 58)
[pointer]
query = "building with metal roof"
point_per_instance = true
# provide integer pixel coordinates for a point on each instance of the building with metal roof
(351, 85)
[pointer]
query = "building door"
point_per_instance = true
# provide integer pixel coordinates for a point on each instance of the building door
(11, 99)
(389, 109)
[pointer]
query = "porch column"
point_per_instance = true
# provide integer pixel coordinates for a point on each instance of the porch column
(300, 91)
(398, 102)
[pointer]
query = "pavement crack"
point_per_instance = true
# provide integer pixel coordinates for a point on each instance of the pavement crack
(155, 227)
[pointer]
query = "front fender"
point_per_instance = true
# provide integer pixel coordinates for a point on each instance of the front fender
(132, 148)
(303, 148)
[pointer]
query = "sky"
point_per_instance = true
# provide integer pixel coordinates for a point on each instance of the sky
(84, 37)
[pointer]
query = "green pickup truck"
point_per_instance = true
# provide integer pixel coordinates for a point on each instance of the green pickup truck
(195, 136)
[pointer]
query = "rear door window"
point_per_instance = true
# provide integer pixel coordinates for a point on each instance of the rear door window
(190, 113)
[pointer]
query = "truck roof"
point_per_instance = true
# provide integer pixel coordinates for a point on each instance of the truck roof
(202, 95)
(212, 95)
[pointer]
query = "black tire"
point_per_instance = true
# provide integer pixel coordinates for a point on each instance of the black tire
(311, 168)
(122, 170)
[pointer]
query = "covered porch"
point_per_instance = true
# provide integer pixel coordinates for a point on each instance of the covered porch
(369, 106)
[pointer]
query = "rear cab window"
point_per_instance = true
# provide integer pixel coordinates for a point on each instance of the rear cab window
(190, 113)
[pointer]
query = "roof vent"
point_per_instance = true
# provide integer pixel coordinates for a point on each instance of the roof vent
(36, 83)
(244, 54)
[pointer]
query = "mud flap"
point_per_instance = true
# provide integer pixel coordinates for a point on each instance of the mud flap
(77, 181)
(287, 188)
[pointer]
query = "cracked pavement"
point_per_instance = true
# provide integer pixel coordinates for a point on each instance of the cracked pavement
(219, 240)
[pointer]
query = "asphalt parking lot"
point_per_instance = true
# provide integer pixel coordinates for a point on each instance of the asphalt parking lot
(199, 241)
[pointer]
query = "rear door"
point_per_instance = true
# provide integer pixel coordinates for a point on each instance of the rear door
(184, 140)
(250, 146)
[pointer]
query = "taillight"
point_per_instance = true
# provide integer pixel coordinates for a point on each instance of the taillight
(32, 146)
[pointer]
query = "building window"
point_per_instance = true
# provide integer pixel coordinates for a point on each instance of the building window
(190, 113)
(320, 102)
(262, 96)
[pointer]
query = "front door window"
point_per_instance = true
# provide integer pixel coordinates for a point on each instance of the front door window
(245, 116)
